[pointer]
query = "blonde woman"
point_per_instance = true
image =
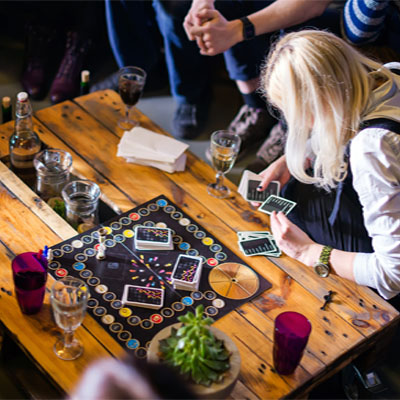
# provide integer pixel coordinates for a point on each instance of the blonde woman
(342, 158)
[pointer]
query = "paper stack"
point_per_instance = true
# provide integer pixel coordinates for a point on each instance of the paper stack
(145, 147)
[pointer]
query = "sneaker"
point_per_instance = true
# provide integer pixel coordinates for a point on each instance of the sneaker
(189, 120)
(252, 125)
(272, 148)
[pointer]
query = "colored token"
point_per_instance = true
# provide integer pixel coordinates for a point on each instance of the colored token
(134, 320)
(81, 257)
(100, 288)
(177, 306)
(107, 229)
(99, 311)
(176, 215)
(115, 226)
(210, 295)
(199, 235)
(149, 223)
(187, 301)
(184, 246)
(211, 311)
(116, 327)
(141, 352)
(54, 265)
(90, 252)
(132, 344)
(134, 216)
(184, 222)
(95, 234)
(196, 295)
(87, 239)
(192, 252)
(147, 324)
(92, 303)
(212, 262)
(125, 221)
(116, 304)
(218, 303)
(93, 281)
(207, 241)
(97, 246)
(161, 225)
(109, 296)
(61, 272)
(109, 243)
(67, 248)
(119, 238)
(215, 248)
(156, 318)
(128, 233)
(162, 202)
(125, 312)
(144, 212)
(221, 256)
(167, 312)
(169, 209)
(153, 207)
(57, 253)
(124, 335)
(86, 273)
(108, 319)
(192, 228)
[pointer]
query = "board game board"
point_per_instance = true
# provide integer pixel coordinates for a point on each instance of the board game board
(226, 281)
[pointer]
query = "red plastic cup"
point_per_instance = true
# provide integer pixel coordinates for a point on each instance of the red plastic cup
(30, 276)
(291, 334)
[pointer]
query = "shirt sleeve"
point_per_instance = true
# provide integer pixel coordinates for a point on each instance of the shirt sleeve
(375, 165)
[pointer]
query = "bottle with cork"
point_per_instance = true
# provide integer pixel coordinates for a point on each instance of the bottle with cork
(85, 82)
(24, 144)
(6, 109)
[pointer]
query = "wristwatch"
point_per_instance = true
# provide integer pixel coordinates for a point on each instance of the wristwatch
(248, 29)
(321, 267)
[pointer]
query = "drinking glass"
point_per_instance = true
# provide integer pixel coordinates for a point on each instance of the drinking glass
(131, 81)
(224, 148)
(68, 299)
(291, 334)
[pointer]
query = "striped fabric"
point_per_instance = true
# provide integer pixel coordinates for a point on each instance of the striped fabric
(364, 19)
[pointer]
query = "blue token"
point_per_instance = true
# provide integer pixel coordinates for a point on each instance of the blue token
(78, 266)
(184, 246)
(132, 344)
(187, 301)
(162, 203)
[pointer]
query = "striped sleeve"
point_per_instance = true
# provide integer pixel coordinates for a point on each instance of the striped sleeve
(364, 19)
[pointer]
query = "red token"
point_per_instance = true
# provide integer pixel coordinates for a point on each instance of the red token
(134, 216)
(61, 272)
(96, 247)
(156, 318)
(212, 262)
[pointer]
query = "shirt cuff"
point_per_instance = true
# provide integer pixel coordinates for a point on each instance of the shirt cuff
(361, 269)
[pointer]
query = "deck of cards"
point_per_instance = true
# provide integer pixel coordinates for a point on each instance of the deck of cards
(187, 272)
(258, 243)
(249, 184)
(141, 296)
(153, 238)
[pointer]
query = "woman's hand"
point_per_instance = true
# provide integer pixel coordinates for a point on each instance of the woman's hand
(293, 241)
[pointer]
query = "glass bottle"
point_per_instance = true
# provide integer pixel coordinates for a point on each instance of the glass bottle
(85, 79)
(6, 109)
(24, 142)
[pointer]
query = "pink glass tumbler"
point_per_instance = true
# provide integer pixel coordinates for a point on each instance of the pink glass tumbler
(30, 275)
(290, 338)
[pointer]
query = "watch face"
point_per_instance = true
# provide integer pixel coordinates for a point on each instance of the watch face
(322, 270)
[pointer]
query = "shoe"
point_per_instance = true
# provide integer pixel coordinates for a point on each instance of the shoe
(189, 120)
(39, 53)
(272, 148)
(66, 83)
(252, 125)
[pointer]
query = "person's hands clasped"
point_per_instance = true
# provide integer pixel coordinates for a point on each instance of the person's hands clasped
(192, 18)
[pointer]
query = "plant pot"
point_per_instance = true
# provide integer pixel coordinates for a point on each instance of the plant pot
(219, 390)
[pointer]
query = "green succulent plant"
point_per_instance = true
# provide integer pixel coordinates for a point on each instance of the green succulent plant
(195, 351)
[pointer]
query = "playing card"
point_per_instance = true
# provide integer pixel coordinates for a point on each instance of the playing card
(242, 189)
(142, 296)
(152, 238)
(252, 194)
(187, 270)
(253, 247)
(276, 203)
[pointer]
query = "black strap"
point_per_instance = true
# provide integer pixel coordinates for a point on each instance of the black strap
(383, 123)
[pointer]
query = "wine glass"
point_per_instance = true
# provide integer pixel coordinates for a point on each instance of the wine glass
(131, 81)
(68, 299)
(224, 149)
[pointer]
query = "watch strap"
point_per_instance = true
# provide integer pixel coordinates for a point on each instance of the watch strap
(325, 255)
(248, 29)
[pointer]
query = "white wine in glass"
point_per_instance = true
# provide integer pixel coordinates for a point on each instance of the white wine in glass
(224, 148)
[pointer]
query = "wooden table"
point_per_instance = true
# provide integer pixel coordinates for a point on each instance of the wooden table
(357, 321)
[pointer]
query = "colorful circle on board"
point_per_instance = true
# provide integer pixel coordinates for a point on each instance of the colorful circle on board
(134, 320)
(128, 233)
(89, 252)
(149, 223)
(101, 289)
(107, 229)
(57, 253)
(61, 272)
(192, 252)
(162, 203)
(184, 222)
(203, 259)
(81, 257)
(116, 327)
(108, 319)
(85, 274)
(169, 209)
(95, 234)
(184, 246)
(144, 212)
(97, 246)
(125, 221)
(153, 207)
(210, 295)
(233, 281)
(115, 226)
(177, 239)
(218, 303)
(125, 312)
(87, 239)
(156, 318)
(109, 296)
(212, 262)
(178, 306)
(124, 335)
(172, 231)
(207, 241)
(67, 248)
(116, 304)
(192, 228)
(221, 256)
(93, 281)
(176, 215)
(211, 311)
(146, 324)
(141, 352)
(199, 235)
(99, 311)
(77, 244)
(54, 265)
(109, 243)
(196, 295)
(187, 301)
(92, 303)
(167, 312)
(134, 216)
(161, 225)
(215, 248)
(119, 238)
(132, 344)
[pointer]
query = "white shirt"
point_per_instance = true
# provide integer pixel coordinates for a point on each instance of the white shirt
(375, 165)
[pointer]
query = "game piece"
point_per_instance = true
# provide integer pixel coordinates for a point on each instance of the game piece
(142, 296)
(49, 255)
(101, 252)
(276, 203)
(153, 238)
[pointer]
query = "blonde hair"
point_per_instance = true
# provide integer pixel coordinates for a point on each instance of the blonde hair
(322, 86)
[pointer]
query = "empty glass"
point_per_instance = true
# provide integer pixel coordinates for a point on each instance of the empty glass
(53, 168)
(69, 299)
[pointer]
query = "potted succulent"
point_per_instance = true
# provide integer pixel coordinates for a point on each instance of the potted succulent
(204, 355)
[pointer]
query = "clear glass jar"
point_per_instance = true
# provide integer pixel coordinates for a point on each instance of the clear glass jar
(53, 168)
(81, 202)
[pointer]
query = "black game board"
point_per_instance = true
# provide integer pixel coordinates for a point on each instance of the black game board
(226, 281)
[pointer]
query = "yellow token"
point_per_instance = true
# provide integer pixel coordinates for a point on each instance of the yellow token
(108, 229)
(125, 312)
(128, 233)
(208, 241)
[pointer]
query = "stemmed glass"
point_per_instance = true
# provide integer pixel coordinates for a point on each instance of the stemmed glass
(68, 299)
(131, 82)
(224, 149)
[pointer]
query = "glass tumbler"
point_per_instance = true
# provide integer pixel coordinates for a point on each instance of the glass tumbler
(81, 202)
(53, 168)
